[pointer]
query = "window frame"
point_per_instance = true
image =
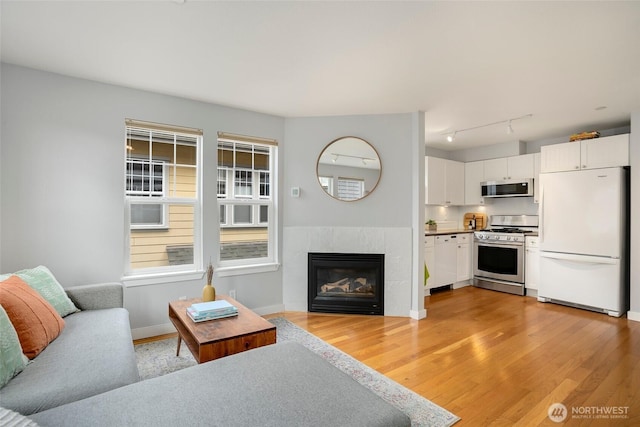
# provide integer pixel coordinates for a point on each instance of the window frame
(255, 201)
(159, 274)
(164, 223)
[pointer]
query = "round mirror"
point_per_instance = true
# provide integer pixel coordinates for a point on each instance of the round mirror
(348, 168)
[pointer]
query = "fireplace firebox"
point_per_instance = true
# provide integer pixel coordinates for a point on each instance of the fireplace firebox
(346, 283)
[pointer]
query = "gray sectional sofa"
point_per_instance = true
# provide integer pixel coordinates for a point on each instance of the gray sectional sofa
(88, 377)
(93, 354)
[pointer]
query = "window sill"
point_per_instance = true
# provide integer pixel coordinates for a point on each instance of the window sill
(158, 278)
(239, 270)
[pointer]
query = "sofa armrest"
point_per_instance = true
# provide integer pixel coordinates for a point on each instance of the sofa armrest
(96, 297)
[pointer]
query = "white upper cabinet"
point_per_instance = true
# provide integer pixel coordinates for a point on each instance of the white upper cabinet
(508, 168)
(444, 182)
(473, 176)
(594, 153)
(605, 152)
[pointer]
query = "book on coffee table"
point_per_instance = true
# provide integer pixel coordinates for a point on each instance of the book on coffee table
(212, 316)
(212, 307)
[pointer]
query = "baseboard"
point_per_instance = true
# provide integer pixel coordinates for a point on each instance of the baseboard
(633, 315)
(418, 314)
(279, 308)
(152, 331)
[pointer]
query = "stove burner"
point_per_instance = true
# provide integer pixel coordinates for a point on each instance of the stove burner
(509, 230)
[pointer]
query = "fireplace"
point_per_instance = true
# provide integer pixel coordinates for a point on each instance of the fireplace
(346, 283)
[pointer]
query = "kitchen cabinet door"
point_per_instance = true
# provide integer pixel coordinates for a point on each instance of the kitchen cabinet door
(508, 168)
(560, 157)
(430, 260)
(532, 263)
(444, 182)
(454, 183)
(463, 257)
(473, 176)
(496, 169)
(434, 180)
(445, 260)
(520, 167)
(606, 152)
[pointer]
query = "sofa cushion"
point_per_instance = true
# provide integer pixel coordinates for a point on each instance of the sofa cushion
(12, 360)
(277, 385)
(43, 281)
(36, 322)
(93, 354)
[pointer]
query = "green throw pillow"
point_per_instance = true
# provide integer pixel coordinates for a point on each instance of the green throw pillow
(12, 361)
(42, 280)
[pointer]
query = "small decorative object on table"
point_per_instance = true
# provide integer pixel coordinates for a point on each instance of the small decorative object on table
(209, 292)
(431, 225)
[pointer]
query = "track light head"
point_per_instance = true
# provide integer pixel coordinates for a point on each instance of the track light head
(452, 138)
(509, 128)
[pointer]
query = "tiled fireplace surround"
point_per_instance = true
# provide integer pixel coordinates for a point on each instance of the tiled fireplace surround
(394, 242)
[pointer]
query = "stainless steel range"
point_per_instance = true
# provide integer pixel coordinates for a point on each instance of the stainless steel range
(498, 253)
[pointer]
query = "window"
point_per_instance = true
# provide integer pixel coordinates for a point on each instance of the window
(246, 168)
(146, 178)
(162, 198)
(350, 188)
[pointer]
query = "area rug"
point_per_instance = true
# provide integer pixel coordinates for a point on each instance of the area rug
(159, 358)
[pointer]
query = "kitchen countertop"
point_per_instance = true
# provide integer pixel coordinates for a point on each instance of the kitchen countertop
(448, 231)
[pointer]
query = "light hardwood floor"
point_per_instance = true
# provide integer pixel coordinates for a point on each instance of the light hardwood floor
(498, 359)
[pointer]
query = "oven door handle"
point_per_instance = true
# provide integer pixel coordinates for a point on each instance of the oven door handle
(514, 245)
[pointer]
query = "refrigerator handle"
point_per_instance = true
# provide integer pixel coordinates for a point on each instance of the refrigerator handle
(541, 216)
(585, 259)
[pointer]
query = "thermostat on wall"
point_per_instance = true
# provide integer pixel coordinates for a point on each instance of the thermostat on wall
(295, 191)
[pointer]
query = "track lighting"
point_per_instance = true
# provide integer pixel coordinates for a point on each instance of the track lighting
(452, 136)
(509, 128)
(363, 159)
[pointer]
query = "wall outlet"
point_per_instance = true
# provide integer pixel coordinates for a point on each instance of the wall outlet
(232, 293)
(182, 298)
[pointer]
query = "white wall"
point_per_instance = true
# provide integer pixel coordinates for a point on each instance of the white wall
(389, 207)
(62, 174)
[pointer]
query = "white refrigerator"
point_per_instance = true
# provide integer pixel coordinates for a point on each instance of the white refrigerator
(582, 237)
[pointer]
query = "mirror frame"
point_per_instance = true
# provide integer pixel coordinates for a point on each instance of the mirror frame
(379, 160)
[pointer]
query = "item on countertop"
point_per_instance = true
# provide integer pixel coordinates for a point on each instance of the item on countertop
(584, 135)
(475, 220)
(431, 225)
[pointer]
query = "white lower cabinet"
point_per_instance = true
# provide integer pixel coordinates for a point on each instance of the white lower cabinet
(430, 259)
(448, 258)
(463, 257)
(532, 263)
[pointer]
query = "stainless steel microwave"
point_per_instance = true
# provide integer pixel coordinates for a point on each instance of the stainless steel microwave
(514, 188)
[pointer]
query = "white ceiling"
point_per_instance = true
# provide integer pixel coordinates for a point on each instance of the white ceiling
(464, 63)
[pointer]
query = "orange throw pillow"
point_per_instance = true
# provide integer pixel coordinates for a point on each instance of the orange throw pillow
(36, 322)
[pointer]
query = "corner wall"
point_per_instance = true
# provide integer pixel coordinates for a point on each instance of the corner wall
(380, 222)
(62, 174)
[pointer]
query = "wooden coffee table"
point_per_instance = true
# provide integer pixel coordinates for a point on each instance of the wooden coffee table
(221, 337)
